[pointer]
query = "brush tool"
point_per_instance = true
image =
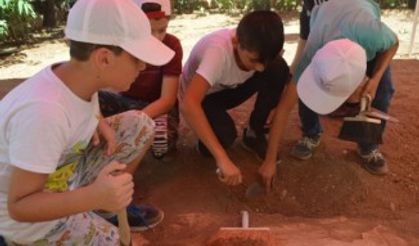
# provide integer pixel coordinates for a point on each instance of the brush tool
(245, 235)
(362, 128)
(375, 113)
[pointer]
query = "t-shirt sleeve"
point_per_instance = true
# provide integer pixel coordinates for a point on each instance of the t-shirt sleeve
(174, 67)
(374, 36)
(37, 135)
(212, 64)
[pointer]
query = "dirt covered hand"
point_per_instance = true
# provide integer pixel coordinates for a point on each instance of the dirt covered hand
(268, 171)
(229, 173)
(370, 89)
(113, 188)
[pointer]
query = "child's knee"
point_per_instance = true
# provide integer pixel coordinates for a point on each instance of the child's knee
(139, 125)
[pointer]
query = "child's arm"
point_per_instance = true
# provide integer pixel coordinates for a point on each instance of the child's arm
(28, 202)
(288, 100)
(167, 99)
(383, 61)
(193, 112)
(298, 55)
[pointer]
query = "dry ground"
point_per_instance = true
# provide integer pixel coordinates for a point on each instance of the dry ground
(328, 200)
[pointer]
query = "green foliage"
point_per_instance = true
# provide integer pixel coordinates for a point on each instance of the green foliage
(3, 28)
(287, 5)
(16, 17)
(188, 6)
(259, 4)
(234, 6)
(393, 4)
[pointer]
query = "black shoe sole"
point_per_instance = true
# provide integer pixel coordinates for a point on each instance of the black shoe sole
(145, 228)
(382, 172)
(302, 158)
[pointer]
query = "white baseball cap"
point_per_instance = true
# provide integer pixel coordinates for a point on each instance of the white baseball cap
(165, 10)
(333, 75)
(119, 23)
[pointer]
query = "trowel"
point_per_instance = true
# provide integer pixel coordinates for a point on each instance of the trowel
(257, 188)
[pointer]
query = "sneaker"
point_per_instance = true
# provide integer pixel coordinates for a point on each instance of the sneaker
(160, 144)
(374, 162)
(140, 217)
(255, 144)
(305, 147)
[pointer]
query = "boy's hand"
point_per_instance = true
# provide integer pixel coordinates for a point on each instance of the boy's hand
(108, 133)
(371, 88)
(113, 188)
(267, 171)
(229, 173)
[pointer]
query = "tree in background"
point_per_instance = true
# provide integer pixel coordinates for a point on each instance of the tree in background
(16, 17)
(20, 18)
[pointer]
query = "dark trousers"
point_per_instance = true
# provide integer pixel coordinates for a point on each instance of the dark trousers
(310, 120)
(2, 242)
(269, 85)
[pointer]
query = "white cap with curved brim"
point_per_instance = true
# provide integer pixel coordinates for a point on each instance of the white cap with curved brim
(119, 23)
(335, 72)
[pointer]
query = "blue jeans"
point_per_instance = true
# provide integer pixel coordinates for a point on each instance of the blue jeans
(2, 242)
(310, 122)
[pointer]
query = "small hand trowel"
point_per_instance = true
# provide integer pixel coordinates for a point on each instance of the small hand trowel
(257, 188)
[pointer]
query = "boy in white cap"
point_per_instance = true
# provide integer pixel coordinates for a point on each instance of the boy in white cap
(154, 91)
(55, 168)
(326, 83)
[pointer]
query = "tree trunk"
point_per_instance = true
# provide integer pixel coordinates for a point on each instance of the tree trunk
(49, 13)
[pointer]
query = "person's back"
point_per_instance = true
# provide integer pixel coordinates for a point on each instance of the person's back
(215, 45)
(357, 20)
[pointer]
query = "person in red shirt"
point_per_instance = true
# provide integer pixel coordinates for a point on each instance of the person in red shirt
(155, 89)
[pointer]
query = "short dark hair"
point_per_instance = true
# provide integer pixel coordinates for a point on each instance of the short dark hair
(261, 32)
(81, 51)
(152, 7)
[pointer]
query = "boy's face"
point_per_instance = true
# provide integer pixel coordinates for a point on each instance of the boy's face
(248, 60)
(159, 27)
(122, 70)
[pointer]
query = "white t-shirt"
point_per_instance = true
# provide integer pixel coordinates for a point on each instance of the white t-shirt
(43, 126)
(213, 58)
